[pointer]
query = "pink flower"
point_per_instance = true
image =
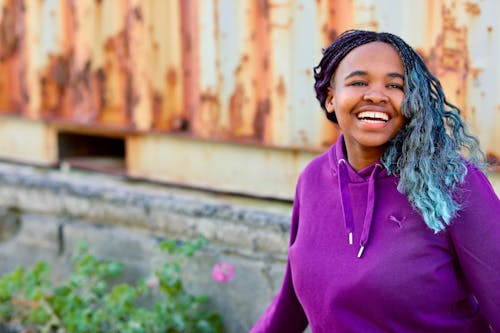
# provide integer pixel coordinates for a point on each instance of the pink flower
(153, 282)
(222, 272)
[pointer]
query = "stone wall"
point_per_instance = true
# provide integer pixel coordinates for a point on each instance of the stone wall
(44, 212)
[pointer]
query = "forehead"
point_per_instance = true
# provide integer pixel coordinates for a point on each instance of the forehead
(374, 56)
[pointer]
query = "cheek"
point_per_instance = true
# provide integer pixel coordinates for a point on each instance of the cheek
(343, 100)
(401, 121)
(398, 100)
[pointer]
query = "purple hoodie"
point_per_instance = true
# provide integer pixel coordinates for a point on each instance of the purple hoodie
(397, 275)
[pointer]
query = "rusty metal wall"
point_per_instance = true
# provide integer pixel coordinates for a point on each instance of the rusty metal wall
(236, 71)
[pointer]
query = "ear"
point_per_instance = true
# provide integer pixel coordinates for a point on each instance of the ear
(330, 101)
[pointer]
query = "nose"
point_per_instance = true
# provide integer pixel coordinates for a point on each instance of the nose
(375, 96)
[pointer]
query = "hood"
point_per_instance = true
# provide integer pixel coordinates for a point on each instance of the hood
(344, 175)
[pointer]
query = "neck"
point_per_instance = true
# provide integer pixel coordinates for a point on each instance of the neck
(361, 158)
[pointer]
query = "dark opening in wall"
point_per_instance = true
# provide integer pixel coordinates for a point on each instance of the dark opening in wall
(10, 223)
(91, 152)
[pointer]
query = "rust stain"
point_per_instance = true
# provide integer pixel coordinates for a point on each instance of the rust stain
(303, 137)
(259, 121)
(449, 59)
(157, 106)
(166, 115)
(472, 8)
(241, 104)
(83, 83)
(262, 52)
(475, 72)
(211, 108)
(373, 24)
(489, 29)
(453, 43)
(9, 36)
(99, 96)
(98, 92)
(190, 64)
(13, 93)
(210, 102)
(137, 14)
(338, 16)
(493, 161)
(245, 59)
(171, 78)
(263, 7)
(53, 84)
(329, 32)
(116, 94)
(180, 124)
(236, 107)
(174, 116)
(281, 87)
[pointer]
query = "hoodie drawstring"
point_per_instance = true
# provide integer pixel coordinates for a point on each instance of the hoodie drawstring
(345, 199)
(347, 207)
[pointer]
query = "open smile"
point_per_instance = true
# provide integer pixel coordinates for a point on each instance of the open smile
(374, 117)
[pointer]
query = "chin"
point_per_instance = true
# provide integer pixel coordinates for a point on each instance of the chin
(375, 141)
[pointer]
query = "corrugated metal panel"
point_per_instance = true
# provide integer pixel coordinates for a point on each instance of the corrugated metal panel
(483, 99)
(223, 70)
(460, 41)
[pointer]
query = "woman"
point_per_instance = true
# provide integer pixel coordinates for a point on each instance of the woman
(393, 230)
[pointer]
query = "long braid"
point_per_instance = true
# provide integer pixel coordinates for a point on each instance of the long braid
(426, 153)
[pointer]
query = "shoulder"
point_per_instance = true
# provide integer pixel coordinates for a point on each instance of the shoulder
(477, 197)
(316, 164)
(317, 171)
(475, 182)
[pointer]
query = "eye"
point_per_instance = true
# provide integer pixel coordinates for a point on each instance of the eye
(358, 83)
(395, 86)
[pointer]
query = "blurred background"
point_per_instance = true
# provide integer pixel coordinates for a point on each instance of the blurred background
(205, 105)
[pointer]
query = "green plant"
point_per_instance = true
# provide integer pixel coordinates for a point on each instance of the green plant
(89, 302)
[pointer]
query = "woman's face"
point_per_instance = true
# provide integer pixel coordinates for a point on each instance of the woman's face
(366, 95)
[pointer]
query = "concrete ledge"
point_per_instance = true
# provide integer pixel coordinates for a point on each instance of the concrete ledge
(248, 226)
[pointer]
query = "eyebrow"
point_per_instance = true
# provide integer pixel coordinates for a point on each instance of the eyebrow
(356, 73)
(396, 75)
(363, 73)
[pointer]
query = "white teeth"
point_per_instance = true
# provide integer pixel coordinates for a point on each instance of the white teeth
(373, 115)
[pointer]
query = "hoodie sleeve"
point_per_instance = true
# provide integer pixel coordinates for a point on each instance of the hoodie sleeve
(476, 238)
(285, 313)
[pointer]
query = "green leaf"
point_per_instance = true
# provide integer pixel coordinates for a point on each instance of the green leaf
(169, 246)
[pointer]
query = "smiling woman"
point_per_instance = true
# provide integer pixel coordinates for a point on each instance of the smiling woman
(393, 229)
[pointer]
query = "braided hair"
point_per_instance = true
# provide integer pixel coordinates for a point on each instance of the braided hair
(426, 152)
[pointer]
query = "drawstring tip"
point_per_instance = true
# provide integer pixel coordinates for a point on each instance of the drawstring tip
(360, 253)
(350, 238)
